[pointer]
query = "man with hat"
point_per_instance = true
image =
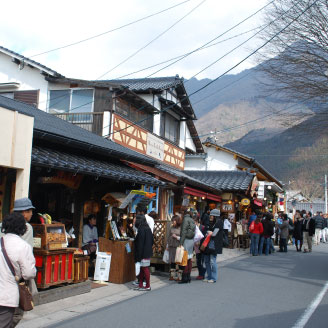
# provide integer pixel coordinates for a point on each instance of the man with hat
(25, 207)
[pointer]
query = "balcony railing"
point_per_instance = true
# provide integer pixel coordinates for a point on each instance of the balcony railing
(93, 122)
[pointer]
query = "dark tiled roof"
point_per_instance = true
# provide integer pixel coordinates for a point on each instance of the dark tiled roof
(224, 180)
(156, 83)
(85, 165)
(51, 125)
(30, 61)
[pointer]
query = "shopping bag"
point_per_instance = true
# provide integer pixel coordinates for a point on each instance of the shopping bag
(166, 256)
(251, 227)
(205, 243)
(145, 263)
(198, 235)
(179, 254)
(137, 265)
(184, 260)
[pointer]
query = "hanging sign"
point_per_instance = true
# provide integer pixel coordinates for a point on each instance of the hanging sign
(245, 202)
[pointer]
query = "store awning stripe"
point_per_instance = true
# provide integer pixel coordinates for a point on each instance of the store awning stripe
(199, 193)
(84, 165)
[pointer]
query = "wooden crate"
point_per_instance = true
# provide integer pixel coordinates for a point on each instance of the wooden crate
(53, 267)
(122, 267)
(81, 266)
(49, 236)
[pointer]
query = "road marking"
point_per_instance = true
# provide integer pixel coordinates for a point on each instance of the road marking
(302, 321)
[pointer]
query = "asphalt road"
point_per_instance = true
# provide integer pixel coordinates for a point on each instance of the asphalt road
(279, 290)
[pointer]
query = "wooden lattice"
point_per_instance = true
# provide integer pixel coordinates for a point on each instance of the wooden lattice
(161, 229)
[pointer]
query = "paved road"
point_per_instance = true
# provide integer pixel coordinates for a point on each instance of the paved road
(267, 291)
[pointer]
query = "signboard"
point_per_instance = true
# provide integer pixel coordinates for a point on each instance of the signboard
(227, 207)
(155, 147)
(245, 202)
(67, 179)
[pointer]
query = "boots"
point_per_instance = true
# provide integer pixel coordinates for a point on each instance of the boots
(185, 278)
(179, 275)
(173, 274)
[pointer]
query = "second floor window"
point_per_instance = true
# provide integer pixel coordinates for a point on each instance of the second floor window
(170, 128)
(71, 101)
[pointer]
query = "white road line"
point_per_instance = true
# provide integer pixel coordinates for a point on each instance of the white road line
(302, 321)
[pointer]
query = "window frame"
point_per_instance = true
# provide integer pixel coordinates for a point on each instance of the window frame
(163, 123)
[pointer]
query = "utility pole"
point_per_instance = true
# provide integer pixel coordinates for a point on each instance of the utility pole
(326, 193)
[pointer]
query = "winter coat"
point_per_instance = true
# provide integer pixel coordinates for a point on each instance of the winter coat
(218, 239)
(258, 228)
(319, 222)
(297, 233)
(284, 231)
(21, 256)
(187, 224)
(173, 243)
(143, 243)
(311, 226)
(267, 228)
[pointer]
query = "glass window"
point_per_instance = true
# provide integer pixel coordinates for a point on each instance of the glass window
(59, 101)
(82, 101)
(170, 128)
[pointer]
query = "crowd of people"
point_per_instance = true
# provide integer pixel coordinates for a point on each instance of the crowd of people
(303, 231)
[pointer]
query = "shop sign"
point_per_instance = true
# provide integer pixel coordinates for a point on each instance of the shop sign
(258, 203)
(245, 202)
(155, 147)
(67, 179)
(227, 207)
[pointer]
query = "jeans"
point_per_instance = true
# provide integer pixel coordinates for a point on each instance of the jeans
(211, 267)
(267, 242)
(283, 245)
(200, 264)
(255, 237)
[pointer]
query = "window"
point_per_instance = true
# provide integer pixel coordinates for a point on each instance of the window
(67, 101)
(170, 127)
(135, 115)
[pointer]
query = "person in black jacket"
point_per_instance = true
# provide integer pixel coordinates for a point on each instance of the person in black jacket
(308, 232)
(298, 233)
(214, 246)
(268, 229)
(143, 250)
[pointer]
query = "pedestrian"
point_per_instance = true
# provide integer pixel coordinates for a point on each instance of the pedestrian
(325, 230)
(205, 216)
(226, 228)
(284, 233)
(290, 231)
(298, 233)
(143, 251)
(256, 229)
(319, 226)
(265, 238)
(21, 257)
(188, 228)
(308, 228)
(173, 242)
(142, 210)
(199, 254)
(215, 230)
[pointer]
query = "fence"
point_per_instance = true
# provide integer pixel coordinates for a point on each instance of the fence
(161, 231)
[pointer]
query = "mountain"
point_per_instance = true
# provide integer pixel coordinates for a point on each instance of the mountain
(298, 156)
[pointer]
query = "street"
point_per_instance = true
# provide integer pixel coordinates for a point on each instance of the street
(280, 290)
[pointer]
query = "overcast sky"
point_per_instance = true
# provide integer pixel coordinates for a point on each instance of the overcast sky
(35, 26)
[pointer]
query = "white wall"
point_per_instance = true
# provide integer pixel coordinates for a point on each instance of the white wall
(189, 141)
(28, 77)
(16, 134)
(220, 160)
(195, 164)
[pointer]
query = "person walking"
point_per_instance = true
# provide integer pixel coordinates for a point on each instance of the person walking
(214, 247)
(21, 257)
(143, 251)
(308, 228)
(267, 233)
(173, 242)
(298, 232)
(319, 226)
(188, 228)
(284, 232)
(256, 229)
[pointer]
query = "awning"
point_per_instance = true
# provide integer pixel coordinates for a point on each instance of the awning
(85, 165)
(199, 193)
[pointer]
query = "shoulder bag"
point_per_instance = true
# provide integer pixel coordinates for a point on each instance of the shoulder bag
(25, 297)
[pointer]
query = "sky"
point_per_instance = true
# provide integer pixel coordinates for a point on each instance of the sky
(36, 26)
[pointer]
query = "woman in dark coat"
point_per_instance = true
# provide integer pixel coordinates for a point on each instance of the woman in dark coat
(298, 232)
(143, 250)
(214, 247)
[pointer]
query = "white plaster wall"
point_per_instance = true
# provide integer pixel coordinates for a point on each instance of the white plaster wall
(195, 164)
(220, 160)
(29, 78)
(182, 137)
(16, 135)
(189, 141)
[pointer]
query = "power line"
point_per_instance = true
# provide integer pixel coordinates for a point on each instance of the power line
(112, 30)
(227, 71)
(153, 40)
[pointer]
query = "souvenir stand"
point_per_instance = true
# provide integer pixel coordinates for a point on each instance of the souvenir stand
(119, 234)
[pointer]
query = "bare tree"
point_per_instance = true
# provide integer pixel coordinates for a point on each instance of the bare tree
(296, 60)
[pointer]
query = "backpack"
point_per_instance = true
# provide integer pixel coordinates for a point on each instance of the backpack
(190, 234)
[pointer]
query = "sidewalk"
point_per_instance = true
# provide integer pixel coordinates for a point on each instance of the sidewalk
(51, 313)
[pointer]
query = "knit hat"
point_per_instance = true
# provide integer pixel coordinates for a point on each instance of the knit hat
(215, 212)
(23, 204)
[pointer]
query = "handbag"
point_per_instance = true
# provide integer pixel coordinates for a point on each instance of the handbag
(211, 245)
(25, 297)
(184, 260)
(166, 256)
(137, 268)
(179, 254)
(205, 243)
(198, 235)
